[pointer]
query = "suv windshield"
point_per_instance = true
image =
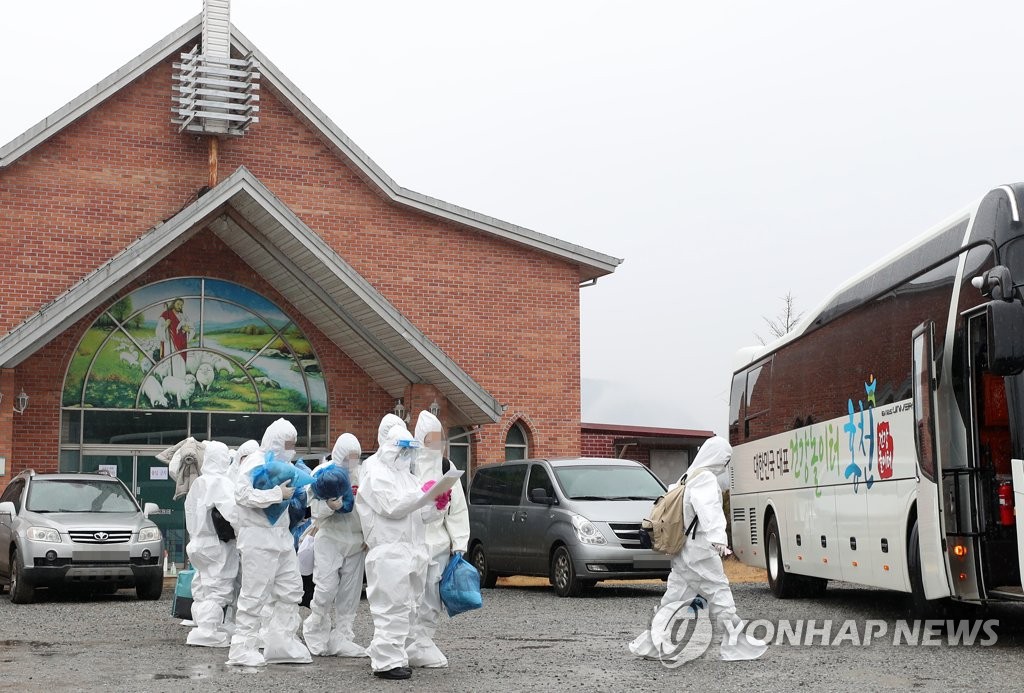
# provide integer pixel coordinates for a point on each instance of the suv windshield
(79, 496)
(608, 483)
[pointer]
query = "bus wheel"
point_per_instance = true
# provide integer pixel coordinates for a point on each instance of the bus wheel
(918, 604)
(812, 586)
(782, 584)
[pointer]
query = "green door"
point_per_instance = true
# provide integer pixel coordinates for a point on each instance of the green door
(154, 485)
(148, 479)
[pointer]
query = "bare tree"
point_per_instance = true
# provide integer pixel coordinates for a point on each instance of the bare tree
(785, 321)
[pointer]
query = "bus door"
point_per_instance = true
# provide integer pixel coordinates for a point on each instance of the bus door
(993, 454)
(934, 569)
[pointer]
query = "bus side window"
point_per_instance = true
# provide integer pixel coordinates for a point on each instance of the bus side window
(736, 397)
(758, 400)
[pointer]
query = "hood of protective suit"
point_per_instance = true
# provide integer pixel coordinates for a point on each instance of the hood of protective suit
(277, 434)
(428, 458)
(714, 456)
(386, 424)
(393, 454)
(216, 460)
(345, 447)
(245, 449)
(427, 423)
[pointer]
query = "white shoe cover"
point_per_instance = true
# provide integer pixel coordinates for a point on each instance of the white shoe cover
(243, 653)
(200, 638)
(282, 649)
(429, 657)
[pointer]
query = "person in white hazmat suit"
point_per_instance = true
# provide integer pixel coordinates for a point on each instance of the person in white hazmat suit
(215, 561)
(271, 583)
(337, 565)
(447, 535)
(393, 517)
(237, 459)
(697, 569)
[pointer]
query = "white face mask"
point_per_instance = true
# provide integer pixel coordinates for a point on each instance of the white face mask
(286, 456)
(723, 477)
(428, 463)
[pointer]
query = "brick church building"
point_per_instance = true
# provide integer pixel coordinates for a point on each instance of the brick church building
(203, 271)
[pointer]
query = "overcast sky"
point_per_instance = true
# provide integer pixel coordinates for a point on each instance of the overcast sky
(731, 152)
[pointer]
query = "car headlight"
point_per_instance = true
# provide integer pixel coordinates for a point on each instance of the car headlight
(586, 532)
(149, 534)
(43, 534)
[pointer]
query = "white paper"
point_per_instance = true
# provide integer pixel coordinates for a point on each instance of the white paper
(157, 473)
(444, 483)
(450, 478)
(108, 469)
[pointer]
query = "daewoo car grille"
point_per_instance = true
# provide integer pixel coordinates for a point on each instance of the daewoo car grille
(628, 533)
(100, 536)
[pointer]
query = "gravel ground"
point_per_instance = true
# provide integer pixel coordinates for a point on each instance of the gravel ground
(524, 638)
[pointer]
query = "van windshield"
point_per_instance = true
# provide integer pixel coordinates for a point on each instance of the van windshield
(608, 483)
(79, 496)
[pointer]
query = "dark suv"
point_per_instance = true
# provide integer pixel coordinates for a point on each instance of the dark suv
(83, 530)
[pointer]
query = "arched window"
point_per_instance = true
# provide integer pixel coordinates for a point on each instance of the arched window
(192, 356)
(516, 445)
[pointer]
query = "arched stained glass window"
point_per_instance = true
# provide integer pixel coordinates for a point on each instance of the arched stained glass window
(194, 345)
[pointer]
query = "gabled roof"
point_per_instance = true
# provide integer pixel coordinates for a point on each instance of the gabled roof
(592, 264)
(279, 247)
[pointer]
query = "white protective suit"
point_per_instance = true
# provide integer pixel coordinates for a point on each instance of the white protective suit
(337, 566)
(446, 535)
(393, 521)
(237, 460)
(215, 561)
(271, 584)
(697, 569)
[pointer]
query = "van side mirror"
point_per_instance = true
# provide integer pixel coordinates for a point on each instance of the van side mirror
(539, 495)
(150, 508)
(7, 508)
(1005, 323)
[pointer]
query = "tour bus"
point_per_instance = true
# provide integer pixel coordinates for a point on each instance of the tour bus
(880, 441)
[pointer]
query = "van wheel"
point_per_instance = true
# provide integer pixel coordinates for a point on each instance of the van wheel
(479, 560)
(563, 575)
(149, 589)
(782, 584)
(21, 589)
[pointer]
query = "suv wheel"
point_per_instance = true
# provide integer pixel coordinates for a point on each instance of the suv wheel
(149, 589)
(563, 575)
(21, 590)
(479, 560)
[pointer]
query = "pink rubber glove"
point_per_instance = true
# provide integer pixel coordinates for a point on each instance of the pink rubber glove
(441, 502)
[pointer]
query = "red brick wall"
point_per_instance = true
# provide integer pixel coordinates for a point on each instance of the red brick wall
(506, 314)
(603, 445)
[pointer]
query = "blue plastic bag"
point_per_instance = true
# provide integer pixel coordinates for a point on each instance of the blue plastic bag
(460, 586)
(296, 510)
(331, 481)
(274, 473)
